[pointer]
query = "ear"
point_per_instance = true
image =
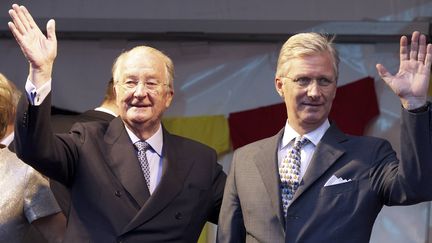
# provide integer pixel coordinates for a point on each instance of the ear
(279, 86)
(169, 97)
(115, 90)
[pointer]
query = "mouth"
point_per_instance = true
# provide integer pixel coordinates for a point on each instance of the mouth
(312, 104)
(140, 105)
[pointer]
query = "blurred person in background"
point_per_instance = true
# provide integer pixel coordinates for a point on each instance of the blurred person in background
(26, 199)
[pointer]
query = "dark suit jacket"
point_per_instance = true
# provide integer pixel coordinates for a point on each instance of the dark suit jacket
(62, 124)
(337, 213)
(110, 200)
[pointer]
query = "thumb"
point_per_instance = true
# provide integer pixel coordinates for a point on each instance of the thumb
(382, 71)
(51, 34)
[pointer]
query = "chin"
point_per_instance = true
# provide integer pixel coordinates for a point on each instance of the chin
(313, 119)
(139, 118)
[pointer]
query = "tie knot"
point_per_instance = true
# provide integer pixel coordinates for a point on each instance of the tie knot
(300, 142)
(142, 146)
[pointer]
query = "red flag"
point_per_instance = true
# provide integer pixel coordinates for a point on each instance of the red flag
(354, 107)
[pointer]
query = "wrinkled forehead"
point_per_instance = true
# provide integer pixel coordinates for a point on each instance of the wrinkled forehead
(141, 62)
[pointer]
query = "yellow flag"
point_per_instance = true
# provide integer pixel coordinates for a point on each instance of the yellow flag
(430, 86)
(210, 130)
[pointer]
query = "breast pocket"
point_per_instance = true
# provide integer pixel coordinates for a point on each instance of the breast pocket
(340, 188)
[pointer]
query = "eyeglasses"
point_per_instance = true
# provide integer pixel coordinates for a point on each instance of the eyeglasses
(152, 86)
(306, 81)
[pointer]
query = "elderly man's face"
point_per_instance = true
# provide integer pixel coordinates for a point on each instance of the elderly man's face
(308, 89)
(142, 92)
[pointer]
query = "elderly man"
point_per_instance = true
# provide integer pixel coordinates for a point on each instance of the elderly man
(130, 180)
(311, 182)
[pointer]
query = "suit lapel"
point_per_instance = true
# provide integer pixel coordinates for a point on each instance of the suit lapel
(176, 167)
(124, 163)
(326, 153)
(267, 163)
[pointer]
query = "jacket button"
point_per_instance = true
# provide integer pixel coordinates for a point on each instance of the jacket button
(118, 193)
(178, 215)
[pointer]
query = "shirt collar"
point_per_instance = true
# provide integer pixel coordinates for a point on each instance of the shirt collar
(313, 136)
(155, 141)
(106, 110)
(6, 141)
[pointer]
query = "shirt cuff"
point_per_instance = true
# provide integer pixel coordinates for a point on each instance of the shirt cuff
(422, 108)
(37, 96)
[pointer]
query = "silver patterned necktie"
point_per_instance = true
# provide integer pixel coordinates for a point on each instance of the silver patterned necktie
(142, 147)
(289, 172)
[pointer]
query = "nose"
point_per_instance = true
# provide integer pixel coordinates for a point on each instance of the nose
(313, 90)
(140, 90)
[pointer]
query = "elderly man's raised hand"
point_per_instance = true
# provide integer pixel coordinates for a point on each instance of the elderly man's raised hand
(411, 82)
(40, 50)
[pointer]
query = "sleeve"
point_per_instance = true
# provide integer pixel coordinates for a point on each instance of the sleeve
(231, 226)
(218, 184)
(37, 96)
(406, 181)
(53, 155)
(38, 198)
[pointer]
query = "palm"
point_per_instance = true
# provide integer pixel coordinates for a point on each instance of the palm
(412, 79)
(37, 48)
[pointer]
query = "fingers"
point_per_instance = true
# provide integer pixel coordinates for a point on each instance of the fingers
(382, 71)
(51, 35)
(22, 19)
(16, 33)
(419, 50)
(422, 49)
(22, 15)
(403, 52)
(31, 23)
(414, 45)
(428, 59)
(17, 19)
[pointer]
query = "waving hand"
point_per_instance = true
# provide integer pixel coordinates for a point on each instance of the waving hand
(40, 50)
(411, 82)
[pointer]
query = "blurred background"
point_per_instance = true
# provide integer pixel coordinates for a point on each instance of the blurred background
(225, 55)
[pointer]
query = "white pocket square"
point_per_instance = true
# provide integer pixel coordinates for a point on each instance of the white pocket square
(334, 180)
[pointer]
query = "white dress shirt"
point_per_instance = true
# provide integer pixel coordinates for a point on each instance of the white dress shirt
(6, 141)
(307, 150)
(154, 155)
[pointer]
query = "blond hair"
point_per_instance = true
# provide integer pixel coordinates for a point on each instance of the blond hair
(306, 44)
(117, 69)
(9, 97)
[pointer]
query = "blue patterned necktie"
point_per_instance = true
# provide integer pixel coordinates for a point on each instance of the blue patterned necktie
(289, 172)
(142, 147)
